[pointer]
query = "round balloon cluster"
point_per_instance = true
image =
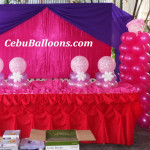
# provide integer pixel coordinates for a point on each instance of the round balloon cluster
(79, 78)
(106, 78)
(135, 65)
(18, 78)
(2, 77)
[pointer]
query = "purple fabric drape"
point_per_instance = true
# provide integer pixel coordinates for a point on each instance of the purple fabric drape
(50, 62)
(119, 21)
(105, 22)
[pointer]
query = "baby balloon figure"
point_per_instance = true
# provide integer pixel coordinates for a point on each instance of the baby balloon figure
(17, 80)
(106, 78)
(79, 78)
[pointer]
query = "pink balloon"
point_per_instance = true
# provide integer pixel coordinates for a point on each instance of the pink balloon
(137, 69)
(122, 76)
(106, 85)
(124, 48)
(114, 79)
(121, 57)
(147, 48)
(71, 83)
(148, 55)
(99, 77)
(1, 65)
(80, 84)
(143, 58)
(148, 96)
(128, 58)
(143, 37)
(87, 83)
(147, 67)
(145, 102)
(2, 77)
(2, 84)
(136, 25)
(79, 64)
(17, 64)
(145, 107)
(124, 68)
(98, 83)
(106, 64)
(144, 98)
(144, 120)
(140, 88)
(147, 87)
(128, 37)
(130, 78)
(113, 84)
(137, 49)
(144, 78)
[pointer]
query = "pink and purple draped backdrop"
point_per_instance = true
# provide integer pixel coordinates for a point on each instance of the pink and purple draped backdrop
(50, 62)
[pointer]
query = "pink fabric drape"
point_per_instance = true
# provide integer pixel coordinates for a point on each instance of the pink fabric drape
(50, 62)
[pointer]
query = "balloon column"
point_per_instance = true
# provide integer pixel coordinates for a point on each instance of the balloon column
(2, 82)
(106, 77)
(18, 78)
(135, 65)
(79, 78)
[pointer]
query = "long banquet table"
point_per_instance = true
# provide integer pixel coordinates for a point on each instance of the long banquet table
(110, 116)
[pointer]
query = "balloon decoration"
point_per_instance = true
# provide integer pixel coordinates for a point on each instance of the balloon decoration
(18, 78)
(135, 26)
(135, 65)
(2, 77)
(106, 78)
(79, 78)
(106, 64)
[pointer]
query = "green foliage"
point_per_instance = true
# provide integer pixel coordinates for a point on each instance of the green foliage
(77, 1)
(113, 53)
(8, 1)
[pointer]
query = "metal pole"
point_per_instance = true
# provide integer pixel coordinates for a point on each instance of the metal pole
(136, 3)
(114, 1)
(148, 14)
(138, 9)
(121, 4)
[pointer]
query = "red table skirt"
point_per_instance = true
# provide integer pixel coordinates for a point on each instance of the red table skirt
(111, 117)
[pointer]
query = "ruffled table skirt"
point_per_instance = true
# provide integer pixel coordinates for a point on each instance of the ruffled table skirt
(110, 116)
